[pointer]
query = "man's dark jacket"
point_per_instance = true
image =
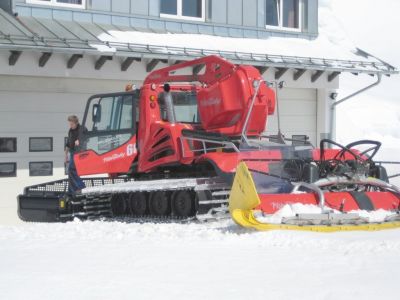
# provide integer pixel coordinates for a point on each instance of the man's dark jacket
(74, 135)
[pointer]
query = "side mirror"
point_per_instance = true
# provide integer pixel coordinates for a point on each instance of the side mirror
(96, 113)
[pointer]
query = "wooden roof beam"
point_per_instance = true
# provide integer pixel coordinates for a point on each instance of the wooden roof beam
(151, 65)
(316, 75)
(197, 69)
(101, 61)
(14, 56)
(44, 59)
(127, 63)
(177, 62)
(298, 73)
(280, 72)
(73, 60)
(333, 75)
(262, 69)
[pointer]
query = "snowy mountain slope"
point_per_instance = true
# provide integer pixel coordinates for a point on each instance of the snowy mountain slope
(102, 260)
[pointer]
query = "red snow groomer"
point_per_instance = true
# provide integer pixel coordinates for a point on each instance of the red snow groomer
(189, 143)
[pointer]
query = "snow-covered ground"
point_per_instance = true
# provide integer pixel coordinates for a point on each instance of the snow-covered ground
(218, 260)
(100, 260)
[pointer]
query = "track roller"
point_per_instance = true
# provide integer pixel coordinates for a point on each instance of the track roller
(183, 203)
(138, 204)
(119, 205)
(159, 204)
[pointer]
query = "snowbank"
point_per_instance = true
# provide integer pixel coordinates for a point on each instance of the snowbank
(103, 260)
(291, 210)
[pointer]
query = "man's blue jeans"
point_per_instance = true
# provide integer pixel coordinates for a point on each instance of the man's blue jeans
(75, 183)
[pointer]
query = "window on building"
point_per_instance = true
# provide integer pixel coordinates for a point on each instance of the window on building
(8, 145)
(40, 144)
(65, 3)
(283, 14)
(41, 168)
(8, 169)
(183, 9)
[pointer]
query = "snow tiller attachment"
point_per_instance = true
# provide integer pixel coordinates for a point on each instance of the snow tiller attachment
(321, 190)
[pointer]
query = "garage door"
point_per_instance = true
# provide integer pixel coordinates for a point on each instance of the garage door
(298, 114)
(33, 113)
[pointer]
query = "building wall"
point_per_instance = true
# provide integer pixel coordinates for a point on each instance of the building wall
(236, 18)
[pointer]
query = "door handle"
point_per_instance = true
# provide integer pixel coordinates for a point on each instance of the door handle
(83, 155)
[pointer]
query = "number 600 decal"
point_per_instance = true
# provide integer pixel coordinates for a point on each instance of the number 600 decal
(130, 149)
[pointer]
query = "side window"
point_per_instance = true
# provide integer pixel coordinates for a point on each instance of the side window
(115, 113)
(126, 118)
(110, 121)
(185, 107)
(104, 122)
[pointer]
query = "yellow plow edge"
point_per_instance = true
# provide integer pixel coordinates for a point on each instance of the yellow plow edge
(244, 199)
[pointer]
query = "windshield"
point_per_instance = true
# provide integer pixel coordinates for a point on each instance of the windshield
(185, 107)
(110, 122)
(292, 151)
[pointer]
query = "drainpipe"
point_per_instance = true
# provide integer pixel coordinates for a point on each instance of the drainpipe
(336, 103)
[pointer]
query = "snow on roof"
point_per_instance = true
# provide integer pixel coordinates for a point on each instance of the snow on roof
(329, 51)
(331, 42)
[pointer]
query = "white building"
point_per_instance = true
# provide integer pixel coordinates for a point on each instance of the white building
(54, 54)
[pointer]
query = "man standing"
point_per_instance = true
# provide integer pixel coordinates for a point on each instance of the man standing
(75, 183)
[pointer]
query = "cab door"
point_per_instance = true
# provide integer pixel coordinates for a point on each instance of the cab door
(109, 142)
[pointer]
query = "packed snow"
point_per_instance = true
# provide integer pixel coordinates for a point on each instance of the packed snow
(292, 210)
(219, 260)
(116, 260)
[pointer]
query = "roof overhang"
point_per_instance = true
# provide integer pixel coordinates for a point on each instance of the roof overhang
(20, 37)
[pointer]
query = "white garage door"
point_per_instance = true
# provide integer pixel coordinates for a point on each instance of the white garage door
(33, 113)
(298, 113)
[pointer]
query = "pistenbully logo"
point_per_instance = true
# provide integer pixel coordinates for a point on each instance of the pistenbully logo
(210, 102)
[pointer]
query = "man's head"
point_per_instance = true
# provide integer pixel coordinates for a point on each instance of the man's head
(73, 121)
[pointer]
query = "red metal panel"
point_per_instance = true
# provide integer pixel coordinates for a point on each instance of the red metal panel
(270, 203)
(116, 161)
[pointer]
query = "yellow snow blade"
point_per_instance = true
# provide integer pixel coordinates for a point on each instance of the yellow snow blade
(243, 188)
(243, 200)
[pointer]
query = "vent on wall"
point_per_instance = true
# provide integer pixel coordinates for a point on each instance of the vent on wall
(8, 169)
(8, 144)
(41, 168)
(40, 144)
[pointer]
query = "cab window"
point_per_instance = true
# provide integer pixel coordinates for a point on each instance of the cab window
(185, 107)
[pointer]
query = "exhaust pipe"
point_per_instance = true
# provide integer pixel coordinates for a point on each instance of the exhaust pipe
(169, 104)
